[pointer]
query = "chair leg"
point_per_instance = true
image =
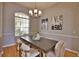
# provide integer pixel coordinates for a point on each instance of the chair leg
(44, 54)
(27, 54)
(23, 54)
(40, 53)
(20, 52)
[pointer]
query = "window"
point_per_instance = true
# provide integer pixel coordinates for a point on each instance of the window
(21, 24)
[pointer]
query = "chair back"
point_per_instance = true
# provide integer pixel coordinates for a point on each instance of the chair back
(59, 49)
(18, 44)
(25, 47)
(19, 41)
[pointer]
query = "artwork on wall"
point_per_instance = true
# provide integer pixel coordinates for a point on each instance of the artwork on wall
(44, 24)
(57, 22)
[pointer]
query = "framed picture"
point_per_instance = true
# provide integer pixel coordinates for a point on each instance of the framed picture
(44, 24)
(57, 22)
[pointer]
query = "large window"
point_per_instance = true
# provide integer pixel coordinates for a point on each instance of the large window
(21, 24)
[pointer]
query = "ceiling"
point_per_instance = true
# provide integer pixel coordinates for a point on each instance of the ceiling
(39, 5)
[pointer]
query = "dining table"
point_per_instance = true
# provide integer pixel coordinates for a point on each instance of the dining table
(43, 44)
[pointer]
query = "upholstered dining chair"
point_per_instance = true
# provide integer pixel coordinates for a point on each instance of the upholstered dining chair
(59, 50)
(26, 51)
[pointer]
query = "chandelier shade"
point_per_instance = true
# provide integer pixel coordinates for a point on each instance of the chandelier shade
(35, 12)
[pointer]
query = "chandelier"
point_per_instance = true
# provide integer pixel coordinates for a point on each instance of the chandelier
(35, 12)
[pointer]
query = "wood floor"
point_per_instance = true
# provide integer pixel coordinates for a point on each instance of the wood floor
(70, 53)
(12, 52)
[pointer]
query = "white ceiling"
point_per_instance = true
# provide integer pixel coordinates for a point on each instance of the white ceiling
(39, 5)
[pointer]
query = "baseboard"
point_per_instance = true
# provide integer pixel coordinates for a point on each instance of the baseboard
(9, 45)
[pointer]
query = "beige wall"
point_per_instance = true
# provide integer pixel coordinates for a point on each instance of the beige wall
(0, 19)
(70, 31)
(9, 22)
(34, 25)
(1, 10)
(76, 41)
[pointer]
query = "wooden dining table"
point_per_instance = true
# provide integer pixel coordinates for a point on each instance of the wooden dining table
(43, 44)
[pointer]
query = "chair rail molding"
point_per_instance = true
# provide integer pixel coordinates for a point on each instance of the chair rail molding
(64, 35)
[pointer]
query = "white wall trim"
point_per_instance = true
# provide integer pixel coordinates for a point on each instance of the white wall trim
(64, 35)
(9, 45)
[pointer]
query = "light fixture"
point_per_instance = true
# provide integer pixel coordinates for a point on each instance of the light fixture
(35, 12)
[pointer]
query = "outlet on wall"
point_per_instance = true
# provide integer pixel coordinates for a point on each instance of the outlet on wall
(74, 32)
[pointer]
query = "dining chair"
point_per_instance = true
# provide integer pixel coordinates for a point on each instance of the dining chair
(59, 50)
(18, 43)
(26, 51)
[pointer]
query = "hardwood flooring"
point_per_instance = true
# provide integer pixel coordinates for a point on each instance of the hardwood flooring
(12, 52)
(70, 54)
